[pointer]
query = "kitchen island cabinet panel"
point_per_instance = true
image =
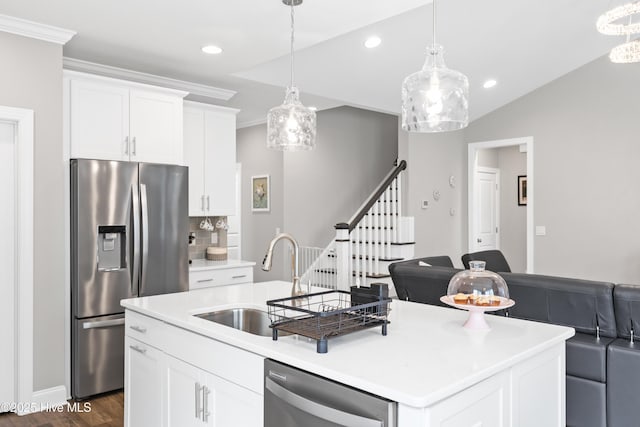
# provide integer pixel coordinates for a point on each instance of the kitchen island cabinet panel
(188, 380)
(144, 369)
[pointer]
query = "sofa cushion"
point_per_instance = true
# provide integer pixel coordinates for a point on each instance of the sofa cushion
(421, 284)
(623, 377)
(586, 403)
(581, 304)
(626, 299)
(587, 357)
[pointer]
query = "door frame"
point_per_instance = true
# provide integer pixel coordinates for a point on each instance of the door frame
(23, 303)
(472, 168)
(475, 200)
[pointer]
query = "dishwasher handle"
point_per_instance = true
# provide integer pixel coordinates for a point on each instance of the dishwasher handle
(318, 410)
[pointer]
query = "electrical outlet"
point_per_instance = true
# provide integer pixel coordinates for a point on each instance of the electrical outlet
(214, 238)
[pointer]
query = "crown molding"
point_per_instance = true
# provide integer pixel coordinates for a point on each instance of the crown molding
(34, 30)
(242, 125)
(152, 79)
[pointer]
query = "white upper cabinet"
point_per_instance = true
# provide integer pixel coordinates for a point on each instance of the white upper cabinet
(111, 119)
(210, 154)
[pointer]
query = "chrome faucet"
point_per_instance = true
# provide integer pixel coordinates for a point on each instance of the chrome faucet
(296, 290)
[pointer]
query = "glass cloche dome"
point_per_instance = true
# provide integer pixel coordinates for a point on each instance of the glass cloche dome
(478, 287)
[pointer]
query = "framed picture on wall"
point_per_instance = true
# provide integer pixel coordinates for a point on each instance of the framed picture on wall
(522, 190)
(260, 193)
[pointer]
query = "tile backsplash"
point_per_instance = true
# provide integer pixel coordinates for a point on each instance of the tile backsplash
(203, 237)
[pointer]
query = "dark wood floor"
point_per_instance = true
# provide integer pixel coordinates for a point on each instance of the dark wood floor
(105, 411)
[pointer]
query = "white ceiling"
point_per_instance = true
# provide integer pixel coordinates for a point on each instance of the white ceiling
(523, 44)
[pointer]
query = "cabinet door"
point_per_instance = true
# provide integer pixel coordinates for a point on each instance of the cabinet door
(144, 371)
(185, 393)
(155, 127)
(220, 162)
(228, 404)
(194, 158)
(99, 115)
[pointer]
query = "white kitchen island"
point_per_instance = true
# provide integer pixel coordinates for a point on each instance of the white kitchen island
(182, 370)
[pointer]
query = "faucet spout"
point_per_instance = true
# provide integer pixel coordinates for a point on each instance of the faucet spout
(268, 260)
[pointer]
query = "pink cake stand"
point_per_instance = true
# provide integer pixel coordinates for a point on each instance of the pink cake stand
(476, 312)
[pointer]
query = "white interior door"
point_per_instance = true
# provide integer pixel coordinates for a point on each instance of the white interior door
(487, 212)
(7, 260)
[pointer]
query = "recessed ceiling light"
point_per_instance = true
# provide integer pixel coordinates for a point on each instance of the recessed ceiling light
(211, 49)
(372, 42)
(489, 84)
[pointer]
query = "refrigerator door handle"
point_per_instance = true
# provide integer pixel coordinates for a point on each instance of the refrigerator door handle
(135, 259)
(144, 203)
(103, 324)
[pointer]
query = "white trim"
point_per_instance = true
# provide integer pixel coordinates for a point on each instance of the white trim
(23, 119)
(472, 164)
(242, 125)
(48, 398)
(151, 79)
(79, 75)
(211, 107)
(66, 155)
(34, 30)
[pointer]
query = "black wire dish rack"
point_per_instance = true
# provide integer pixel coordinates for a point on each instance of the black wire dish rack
(328, 314)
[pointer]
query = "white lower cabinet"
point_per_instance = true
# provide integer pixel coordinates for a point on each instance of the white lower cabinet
(220, 277)
(144, 377)
(197, 398)
(164, 390)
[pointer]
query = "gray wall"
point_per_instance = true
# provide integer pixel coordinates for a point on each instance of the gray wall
(585, 128)
(258, 228)
(31, 77)
(355, 150)
(431, 160)
(312, 191)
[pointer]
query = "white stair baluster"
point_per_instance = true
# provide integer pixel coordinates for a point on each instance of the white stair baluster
(387, 223)
(376, 234)
(399, 191)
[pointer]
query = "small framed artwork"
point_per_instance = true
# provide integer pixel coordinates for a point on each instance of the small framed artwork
(260, 193)
(522, 190)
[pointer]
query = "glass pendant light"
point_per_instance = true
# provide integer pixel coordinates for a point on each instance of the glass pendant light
(291, 126)
(435, 99)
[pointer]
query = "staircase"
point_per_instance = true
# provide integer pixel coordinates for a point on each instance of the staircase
(364, 247)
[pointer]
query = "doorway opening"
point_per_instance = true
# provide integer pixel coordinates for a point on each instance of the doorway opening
(489, 229)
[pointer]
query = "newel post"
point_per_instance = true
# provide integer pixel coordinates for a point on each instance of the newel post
(343, 256)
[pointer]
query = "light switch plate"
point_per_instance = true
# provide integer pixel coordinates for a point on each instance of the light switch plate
(541, 230)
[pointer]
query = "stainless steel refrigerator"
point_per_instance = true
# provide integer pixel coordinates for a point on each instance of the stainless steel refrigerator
(129, 237)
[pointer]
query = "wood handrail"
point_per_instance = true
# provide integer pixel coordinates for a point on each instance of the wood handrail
(373, 198)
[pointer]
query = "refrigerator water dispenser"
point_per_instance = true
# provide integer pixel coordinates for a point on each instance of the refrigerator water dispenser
(111, 247)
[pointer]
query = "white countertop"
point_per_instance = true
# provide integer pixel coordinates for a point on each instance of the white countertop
(204, 264)
(426, 356)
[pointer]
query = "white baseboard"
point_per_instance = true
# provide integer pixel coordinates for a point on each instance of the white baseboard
(42, 400)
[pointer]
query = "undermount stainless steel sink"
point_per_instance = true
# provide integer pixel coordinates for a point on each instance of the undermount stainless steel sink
(249, 320)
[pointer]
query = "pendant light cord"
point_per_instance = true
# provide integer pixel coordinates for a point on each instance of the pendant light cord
(433, 4)
(292, 40)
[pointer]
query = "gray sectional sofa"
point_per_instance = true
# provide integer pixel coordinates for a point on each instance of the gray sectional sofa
(603, 361)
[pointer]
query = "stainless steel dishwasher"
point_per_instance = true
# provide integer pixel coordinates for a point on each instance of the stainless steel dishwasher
(295, 398)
